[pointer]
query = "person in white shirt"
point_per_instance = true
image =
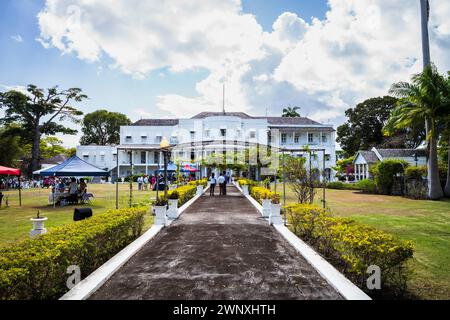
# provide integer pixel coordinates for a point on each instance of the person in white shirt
(212, 185)
(73, 187)
(221, 182)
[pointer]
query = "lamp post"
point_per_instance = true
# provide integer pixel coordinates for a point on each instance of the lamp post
(164, 145)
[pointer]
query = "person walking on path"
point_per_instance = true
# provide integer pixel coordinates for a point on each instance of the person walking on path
(221, 182)
(146, 182)
(225, 183)
(140, 180)
(212, 185)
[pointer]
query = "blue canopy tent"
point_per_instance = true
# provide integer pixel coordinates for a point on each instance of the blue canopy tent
(74, 167)
(171, 167)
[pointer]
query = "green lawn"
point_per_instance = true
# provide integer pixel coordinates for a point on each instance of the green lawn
(15, 222)
(426, 223)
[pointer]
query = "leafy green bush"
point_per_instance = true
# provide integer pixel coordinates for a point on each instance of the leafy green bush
(367, 186)
(36, 269)
(415, 173)
(342, 186)
(385, 173)
(353, 247)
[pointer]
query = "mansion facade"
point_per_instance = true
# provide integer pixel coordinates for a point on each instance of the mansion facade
(210, 133)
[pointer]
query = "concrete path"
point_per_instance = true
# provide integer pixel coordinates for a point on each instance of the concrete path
(220, 248)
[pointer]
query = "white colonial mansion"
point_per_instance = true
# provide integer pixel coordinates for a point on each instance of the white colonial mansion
(211, 133)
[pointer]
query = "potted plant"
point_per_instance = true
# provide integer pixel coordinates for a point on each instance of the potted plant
(266, 202)
(244, 187)
(160, 206)
(38, 225)
(172, 213)
(275, 210)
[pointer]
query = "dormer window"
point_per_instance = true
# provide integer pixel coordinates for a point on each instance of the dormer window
(143, 137)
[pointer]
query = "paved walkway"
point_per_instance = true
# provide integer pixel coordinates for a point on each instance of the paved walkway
(220, 248)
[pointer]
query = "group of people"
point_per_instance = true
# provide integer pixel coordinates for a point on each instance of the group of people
(71, 186)
(147, 182)
(223, 179)
(13, 183)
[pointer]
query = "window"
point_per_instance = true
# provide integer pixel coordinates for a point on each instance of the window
(324, 138)
(327, 157)
(283, 138)
(155, 157)
(114, 156)
(128, 138)
(238, 133)
(158, 139)
(192, 135)
(143, 157)
(174, 140)
(85, 157)
(144, 138)
(296, 138)
(102, 158)
(207, 133)
(252, 134)
(310, 137)
(223, 132)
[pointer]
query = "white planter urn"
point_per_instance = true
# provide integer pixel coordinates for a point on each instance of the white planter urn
(199, 190)
(275, 214)
(172, 213)
(245, 190)
(266, 203)
(161, 217)
(38, 227)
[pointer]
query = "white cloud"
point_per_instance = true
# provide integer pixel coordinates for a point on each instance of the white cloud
(17, 38)
(357, 51)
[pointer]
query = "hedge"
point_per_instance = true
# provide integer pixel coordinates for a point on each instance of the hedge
(202, 182)
(185, 193)
(36, 268)
(260, 193)
(342, 186)
(367, 186)
(353, 247)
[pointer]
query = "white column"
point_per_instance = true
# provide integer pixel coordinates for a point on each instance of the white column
(146, 162)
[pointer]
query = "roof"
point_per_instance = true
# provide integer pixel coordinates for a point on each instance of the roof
(401, 153)
(156, 122)
(275, 121)
(56, 159)
(369, 156)
(74, 167)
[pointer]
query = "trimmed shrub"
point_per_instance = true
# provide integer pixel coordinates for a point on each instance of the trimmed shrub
(367, 186)
(202, 182)
(385, 173)
(185, 193)
(353, 247)
(260, 193)
(415, 173)
(342, 186)
(36, 269)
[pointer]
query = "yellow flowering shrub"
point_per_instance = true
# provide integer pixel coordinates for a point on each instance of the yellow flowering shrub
(353, 247)
(260, 193)
(36, 268)
(185, 193)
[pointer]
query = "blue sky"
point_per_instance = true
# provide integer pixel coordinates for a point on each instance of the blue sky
(138, 63)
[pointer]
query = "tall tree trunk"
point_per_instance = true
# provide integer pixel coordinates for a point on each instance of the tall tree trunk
(435, 191)
(35, 150)
(447, 185)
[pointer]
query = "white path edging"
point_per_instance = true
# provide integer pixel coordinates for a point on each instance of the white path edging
(96, 279)
(250, 198)
(335, 278)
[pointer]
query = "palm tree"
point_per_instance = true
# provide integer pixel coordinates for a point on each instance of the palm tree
(422, 99)
(291, 112)
(447, 127)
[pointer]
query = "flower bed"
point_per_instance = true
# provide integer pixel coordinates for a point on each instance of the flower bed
(353, 247)
(36, 269)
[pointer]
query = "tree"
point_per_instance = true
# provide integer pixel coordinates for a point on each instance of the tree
(291, 112)
(10, 149)
(421, 100)
(103, 127)
(446, 135)
(40, 112)
(364, 128)
(301, 180)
